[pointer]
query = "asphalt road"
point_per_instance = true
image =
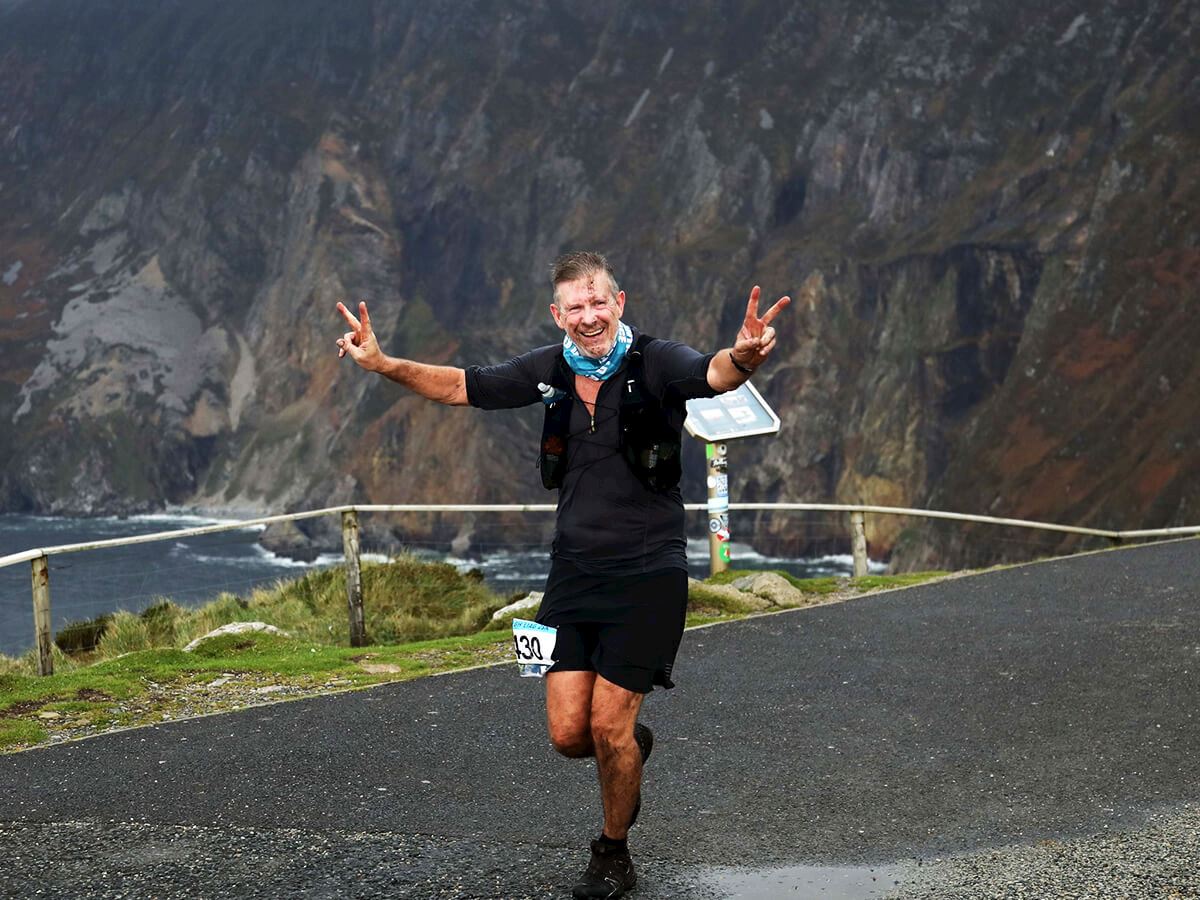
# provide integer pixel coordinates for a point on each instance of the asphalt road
(901, 743)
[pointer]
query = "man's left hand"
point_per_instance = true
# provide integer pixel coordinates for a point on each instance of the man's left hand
(756, 338)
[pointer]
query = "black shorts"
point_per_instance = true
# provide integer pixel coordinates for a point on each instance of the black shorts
(626, 628)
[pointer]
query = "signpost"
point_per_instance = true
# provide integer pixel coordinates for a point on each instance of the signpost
(736, 414)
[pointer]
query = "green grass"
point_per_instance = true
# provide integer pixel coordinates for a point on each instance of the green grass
(148, 686)
(20, 732)
(878, 582)
(833, 584)
(422, 618)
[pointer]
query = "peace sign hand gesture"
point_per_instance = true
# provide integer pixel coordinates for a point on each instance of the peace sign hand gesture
(756, 338)
(360, 341)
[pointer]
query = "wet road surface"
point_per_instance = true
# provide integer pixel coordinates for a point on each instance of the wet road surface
(899, 744)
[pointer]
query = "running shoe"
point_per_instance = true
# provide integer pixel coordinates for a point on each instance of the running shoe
(609, 874)
(645, 740)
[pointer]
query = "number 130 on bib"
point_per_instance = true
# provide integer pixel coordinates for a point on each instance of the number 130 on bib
(534, 646)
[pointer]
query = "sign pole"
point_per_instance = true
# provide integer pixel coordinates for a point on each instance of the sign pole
(739, 413)
(718, 507)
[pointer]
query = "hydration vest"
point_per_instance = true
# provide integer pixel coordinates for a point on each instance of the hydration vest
(648, 443)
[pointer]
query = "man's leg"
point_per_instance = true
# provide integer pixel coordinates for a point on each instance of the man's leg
(588, 715)
(569, 712)
(614, 710)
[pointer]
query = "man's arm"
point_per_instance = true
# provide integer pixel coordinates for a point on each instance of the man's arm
(445, 384)
(732, 367)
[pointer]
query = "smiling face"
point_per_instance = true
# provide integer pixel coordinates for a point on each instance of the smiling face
(589, 312)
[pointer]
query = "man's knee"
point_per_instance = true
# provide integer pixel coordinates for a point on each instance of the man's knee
(611, 734)
(571, 739)
(568, 710)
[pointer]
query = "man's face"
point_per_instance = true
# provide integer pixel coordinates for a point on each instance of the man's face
(589, 313)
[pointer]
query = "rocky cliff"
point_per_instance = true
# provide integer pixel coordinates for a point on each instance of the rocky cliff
(988, 214)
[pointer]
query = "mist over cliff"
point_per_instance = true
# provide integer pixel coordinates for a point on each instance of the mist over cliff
(987, 214)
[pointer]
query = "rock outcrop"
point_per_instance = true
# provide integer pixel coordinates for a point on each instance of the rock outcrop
(235, 628)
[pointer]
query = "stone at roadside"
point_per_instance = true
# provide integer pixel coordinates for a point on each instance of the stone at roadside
(529, 602)
(235, 628)
(748, 601)
(774, 588)
(379, 668)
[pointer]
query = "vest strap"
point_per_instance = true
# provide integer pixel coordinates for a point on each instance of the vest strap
(648, 443)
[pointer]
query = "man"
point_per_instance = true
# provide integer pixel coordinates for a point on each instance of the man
(617, 589)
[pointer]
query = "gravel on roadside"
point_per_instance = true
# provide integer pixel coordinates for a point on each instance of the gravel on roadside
(1161, 859)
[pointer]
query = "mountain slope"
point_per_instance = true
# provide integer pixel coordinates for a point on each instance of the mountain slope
(987, 214)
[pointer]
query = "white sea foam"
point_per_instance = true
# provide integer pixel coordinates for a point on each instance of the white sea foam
(323, 559)
(190, 520)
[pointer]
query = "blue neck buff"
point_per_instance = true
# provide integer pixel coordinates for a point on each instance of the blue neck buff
(599, 369)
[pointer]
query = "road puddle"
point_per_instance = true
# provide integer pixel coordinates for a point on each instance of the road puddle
(825, 882)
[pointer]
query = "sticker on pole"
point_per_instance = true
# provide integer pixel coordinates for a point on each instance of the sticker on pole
(534, 644)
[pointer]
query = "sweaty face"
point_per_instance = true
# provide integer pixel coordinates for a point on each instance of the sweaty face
(589, 313)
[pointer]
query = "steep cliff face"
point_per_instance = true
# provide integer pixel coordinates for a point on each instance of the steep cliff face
(987, 214)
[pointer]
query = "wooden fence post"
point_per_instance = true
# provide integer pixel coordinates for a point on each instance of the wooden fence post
(41, 615)
(354, 598)
(858, 540)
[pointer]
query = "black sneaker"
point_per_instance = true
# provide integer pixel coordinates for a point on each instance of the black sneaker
(645, 741)
(609, 874)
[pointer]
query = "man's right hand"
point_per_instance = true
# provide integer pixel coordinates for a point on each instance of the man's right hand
(360, 341)
(445, 384)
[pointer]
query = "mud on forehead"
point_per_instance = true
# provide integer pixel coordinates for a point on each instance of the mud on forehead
(594, 287)
(591, 284)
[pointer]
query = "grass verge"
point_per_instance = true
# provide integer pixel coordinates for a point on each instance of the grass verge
(422, 619)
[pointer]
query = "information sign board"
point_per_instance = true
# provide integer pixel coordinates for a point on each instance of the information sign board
(739, 413)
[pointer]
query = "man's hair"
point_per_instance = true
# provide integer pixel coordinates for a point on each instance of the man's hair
(578, 264)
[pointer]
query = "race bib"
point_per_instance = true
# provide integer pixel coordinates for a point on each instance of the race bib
(534, 644)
